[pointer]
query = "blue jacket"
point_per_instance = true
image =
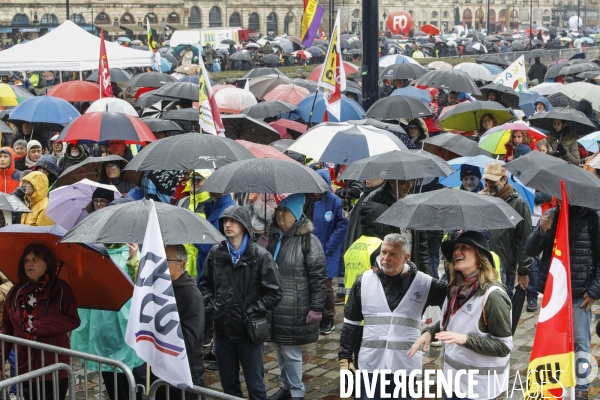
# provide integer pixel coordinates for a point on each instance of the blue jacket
(330, 226)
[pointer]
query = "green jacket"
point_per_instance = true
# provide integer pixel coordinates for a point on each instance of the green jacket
(208, 53)
(498, 316)
(103, 332)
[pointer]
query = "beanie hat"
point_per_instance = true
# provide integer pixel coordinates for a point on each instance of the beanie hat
(299, 71)
(33, 143)
(469, 170)
(101, 193)
(294, 203)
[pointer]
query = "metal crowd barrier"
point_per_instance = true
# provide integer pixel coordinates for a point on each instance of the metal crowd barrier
(36, 374)
(200, 392)
(591, 53)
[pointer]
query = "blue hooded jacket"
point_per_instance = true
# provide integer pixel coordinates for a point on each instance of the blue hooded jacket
(330, 226)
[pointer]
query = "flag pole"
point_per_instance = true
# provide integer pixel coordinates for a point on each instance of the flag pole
(148, 378)
(313, 107)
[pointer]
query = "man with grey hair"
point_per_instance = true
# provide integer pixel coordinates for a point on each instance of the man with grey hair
(390, 299)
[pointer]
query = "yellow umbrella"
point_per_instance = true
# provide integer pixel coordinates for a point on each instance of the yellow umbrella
(11, 96)
(495, 142)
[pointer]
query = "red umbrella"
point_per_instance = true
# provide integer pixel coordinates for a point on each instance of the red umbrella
(302, 54)
(282, 126)
(264, 151)
(290, 93)
(76, 91)
(528, 31)
(430, 29)
(349, 68)
(96, 127)
(143, 90)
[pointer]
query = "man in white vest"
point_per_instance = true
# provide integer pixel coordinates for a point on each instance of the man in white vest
(391, 300)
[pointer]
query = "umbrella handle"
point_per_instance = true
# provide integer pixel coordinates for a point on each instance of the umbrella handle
(60, 266)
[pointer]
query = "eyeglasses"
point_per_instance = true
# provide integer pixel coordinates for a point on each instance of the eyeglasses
(101, 201)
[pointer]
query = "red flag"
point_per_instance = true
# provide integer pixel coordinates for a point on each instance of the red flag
(552, 355)
(103, 71)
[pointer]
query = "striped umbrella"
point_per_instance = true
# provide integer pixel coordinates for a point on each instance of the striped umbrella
(11, 96)
(96, 127)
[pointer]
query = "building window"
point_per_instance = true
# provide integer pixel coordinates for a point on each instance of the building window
(173, 18)
(195, 19)
(254, 22)
(20, 19)
(272, 24)
(214, 18)
(127, 19)
(102, 19)
(49, 20)
(235, 20)
(77, 18)
(152, 18)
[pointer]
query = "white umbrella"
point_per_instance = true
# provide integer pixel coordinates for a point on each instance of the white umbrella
(114, 105)
(386, 61)
(344, 143)
(476, 71)
(234, 99)
(546, 88)
(582, 91)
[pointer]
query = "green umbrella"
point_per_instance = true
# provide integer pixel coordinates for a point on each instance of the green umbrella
(467, 116)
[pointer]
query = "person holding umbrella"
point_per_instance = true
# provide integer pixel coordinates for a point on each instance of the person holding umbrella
(470, 176)
(564, 140)
(47, 165)
(36, 198)
(40, 307)
(417, 132)
(537, 71)
(74, 154)
(517, 138)
(482, 342)
(119, 148)
(111, 174)
(487, 122)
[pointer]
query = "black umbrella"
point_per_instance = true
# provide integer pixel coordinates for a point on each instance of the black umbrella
(227, 41)
(577, 68)
(491, 38)
(544, 173)
(492, 59)
(555, 70)
(306, 84)
(271, 59)
(116, 75)
(241, 56)
(179, 90)
(402, 165)
(396, 107)
(11, 203)
(150, 79)
(184, 114)
(510, 98)
(403, 71)
(283, 144)
(241, 126)
(265, 175)
(268, 109)
(256, 72)
(561, 100)
(577, 121)
(315, 51)
(147, 99)
(538, 53)
(446, 209)
(518, 301)
(188, 151)
(5, 128)
(589, 75)
(456, 80)
(160, 125)
(457, 144)
(126, 223)
(89, 168)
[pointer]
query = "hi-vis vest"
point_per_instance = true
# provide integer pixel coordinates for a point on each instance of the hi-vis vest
(388, 335)
(357, 259)
(466, 320)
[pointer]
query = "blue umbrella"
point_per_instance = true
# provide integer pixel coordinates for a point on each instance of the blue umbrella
(286, 45)
(350, 109)
(44, 109)
(590, 142)
(481, 161)
(386, 61)
(179, 49)
(527, 102)
(165, 65)
(124, 39)
(494, 69)
(411, 91)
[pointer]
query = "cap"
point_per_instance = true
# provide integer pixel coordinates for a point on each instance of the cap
(494, 171)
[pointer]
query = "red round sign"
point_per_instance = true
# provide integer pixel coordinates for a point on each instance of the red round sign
(399, 22)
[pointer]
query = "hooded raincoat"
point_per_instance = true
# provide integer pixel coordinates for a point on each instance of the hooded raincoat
(9, 177)
(38, 202)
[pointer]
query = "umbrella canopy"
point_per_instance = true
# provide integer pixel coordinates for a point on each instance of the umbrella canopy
(311, 86)
(264, 84)
(467, 116)
(268, 109)
(283, 144)
(184, 114)
(396, 129)
(449, 80)
(95, 280)
(44, 109)
(402, 71)
(234, 100)
(590, 142)
(454, 143)
(543, 172)
(179, 90)
(75, 91)
(147, 99)
(264, 151)
(285, 127)
(494, 69)
(90, 168)
(396, 107)
(348, 69)
(265, 175)
(150, 79)
(247, 128)
(402, 165)
(188, 151)
(11, 203)
(561, 100)
(411, 91)
(430, 29)
(190, 69)
(494, 140)
(113, 104)
(161, 125)
(447, 209)
(67, 204)
(589, 75)
(577, 121)
(241, 56)
(492, 59)
(11, 95)
(116, 75)
(510, 98)
(440, 65)
(271, 59)
(386, 61)
(350, 109)
(582, 91)
(96, 127)
(256, 72)
(546, 88)
(555, 70)
(577, 68)
(475, 71)
(126, 223)
(289, 93)
(344, 143)
(541, 53)
(5, 128)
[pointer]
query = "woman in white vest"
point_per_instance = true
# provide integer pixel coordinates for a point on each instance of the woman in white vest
(476, 321)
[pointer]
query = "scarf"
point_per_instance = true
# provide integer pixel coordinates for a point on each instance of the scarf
(461, 290)
(237, 254)
(506, 191)
(28, 162)
(28, 303)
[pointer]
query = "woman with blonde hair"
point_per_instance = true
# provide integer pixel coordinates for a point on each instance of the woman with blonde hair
(475, 328)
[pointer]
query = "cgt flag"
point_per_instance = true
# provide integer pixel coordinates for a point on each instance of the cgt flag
(210, 118)
(552, 362)
(103, 71)
(514, 76)
(333, 76)
(154, 330)
(311, 20)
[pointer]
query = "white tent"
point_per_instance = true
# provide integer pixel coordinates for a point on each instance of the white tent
(69, 48)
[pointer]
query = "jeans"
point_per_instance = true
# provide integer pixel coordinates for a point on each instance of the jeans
(532, 292)
(13, 369)
(434, 242)
(289, 359)
(230, 354)
(583, 336)
(209, 67)
(377, 394)
(509, 281)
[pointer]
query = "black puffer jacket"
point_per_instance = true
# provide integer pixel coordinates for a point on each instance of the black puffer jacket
(354, 228)
(584, 243)
(302, 281)
(190, 308)
(256, 276)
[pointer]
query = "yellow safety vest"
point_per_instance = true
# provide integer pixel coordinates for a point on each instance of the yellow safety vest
(357, 259)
